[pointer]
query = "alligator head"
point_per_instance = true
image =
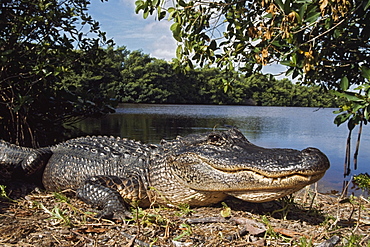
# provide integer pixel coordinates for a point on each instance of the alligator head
(227, 162)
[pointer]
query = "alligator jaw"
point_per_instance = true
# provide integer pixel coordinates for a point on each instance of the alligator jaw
(199, 174)
(262, 196)
(276, 187)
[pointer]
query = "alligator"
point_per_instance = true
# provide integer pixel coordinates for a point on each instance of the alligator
(198, 170)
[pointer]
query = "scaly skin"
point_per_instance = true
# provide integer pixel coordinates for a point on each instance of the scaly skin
(198, 170)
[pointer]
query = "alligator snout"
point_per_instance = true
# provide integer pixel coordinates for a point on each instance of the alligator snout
(315, 162)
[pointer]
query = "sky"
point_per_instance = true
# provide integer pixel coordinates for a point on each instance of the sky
(118, 19)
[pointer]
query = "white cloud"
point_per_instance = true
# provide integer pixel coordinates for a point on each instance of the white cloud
(119, 20)
(164, 48)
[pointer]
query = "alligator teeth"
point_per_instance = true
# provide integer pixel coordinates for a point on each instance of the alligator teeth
(278, 180)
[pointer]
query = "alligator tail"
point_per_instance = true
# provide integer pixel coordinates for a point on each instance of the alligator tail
(27, 161)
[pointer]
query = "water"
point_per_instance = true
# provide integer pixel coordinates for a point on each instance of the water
(283, 127)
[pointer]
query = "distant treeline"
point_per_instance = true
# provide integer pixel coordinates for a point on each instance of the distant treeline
(134, 77)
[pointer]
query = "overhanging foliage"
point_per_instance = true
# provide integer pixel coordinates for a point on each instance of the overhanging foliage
(38, 44)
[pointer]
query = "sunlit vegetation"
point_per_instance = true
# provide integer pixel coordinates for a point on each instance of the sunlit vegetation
(143, 79)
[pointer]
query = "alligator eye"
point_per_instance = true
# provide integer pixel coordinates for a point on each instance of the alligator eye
(215, 139)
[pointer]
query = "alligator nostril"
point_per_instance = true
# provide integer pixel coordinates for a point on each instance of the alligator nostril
(310, 150)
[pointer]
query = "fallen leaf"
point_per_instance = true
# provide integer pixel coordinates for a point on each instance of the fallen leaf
(288, 233)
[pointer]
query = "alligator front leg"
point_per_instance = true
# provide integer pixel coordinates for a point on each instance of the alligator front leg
(113, 194)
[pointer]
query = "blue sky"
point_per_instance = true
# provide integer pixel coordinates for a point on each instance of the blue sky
(118, 19)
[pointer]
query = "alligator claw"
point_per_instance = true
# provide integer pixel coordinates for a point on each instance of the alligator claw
(114, 214)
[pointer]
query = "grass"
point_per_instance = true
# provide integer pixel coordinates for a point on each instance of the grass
(4, 195)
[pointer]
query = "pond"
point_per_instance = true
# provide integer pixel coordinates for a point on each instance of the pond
(278, 127)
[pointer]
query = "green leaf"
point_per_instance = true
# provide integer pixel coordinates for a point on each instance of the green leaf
(299, 18)
(280, 4)
(179, 52)
(329, 23)
(240, 47)
(367, 4)
(312, 15)
(286, 63)
(357, 106)
(351, 124)
(176, 29)
(366, 113)
(289, 71)
(296, 73)
(302, 11)
(182, 3)
(287, 6)
(365, 72)
(172, 14)
(294, 59)
(161, 15)
(337, 33)
(344, 84)
(269, 16)
(342, 118)
(139, 6)
(213, 45)
(352, 96)
(146, 14)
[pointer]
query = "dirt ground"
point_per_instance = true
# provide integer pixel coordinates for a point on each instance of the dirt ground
(305, 219)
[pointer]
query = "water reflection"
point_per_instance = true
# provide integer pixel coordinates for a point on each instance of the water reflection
(151, 123)
(283, 127)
